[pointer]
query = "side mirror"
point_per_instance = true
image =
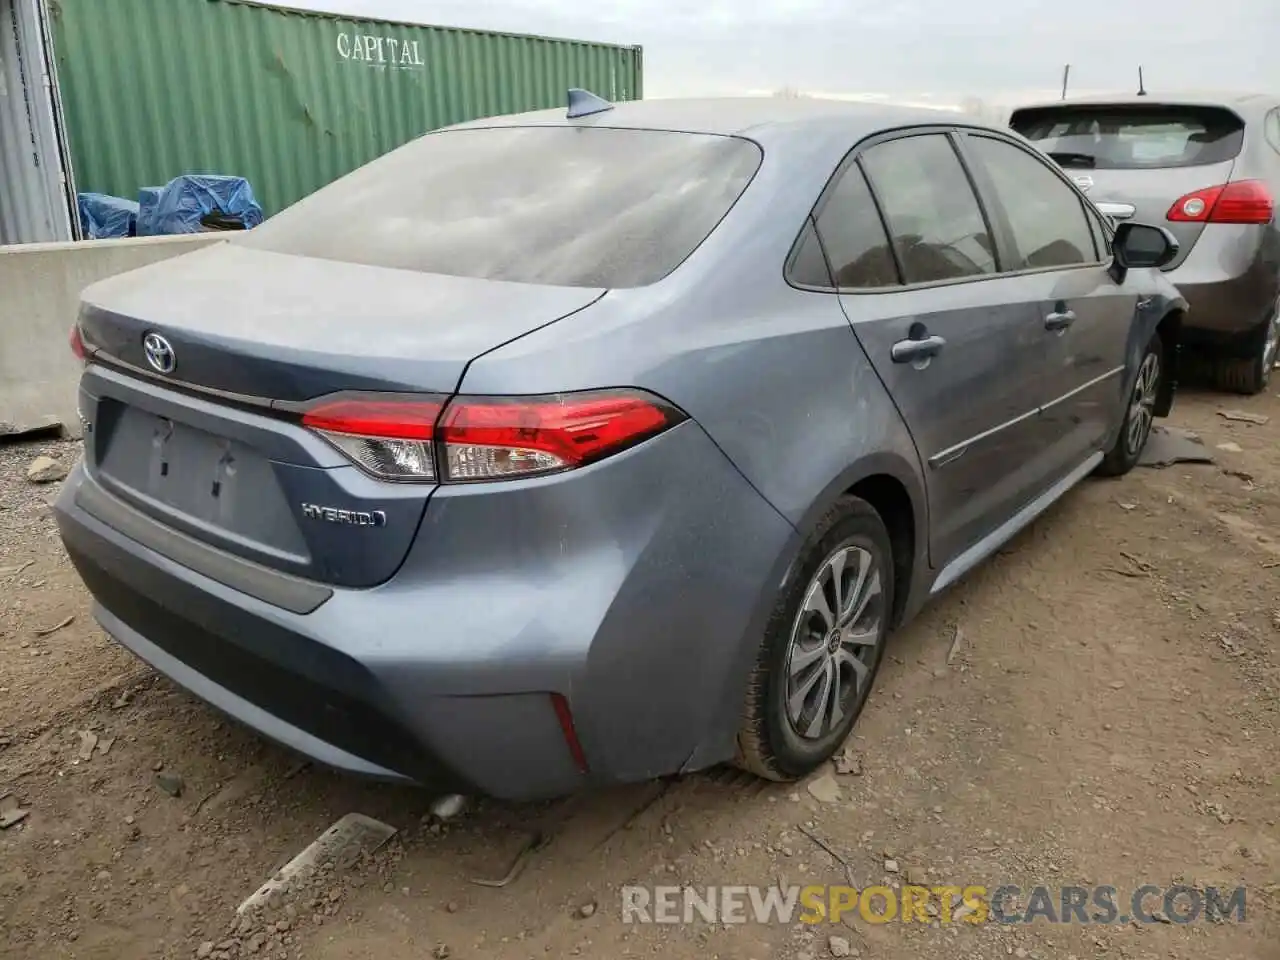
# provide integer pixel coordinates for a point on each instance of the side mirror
(1139, 245)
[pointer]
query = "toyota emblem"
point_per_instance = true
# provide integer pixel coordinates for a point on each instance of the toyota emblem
(159, 353)
(1085, 183)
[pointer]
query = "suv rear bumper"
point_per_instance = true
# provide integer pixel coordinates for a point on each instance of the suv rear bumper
(640, 614)
(1231, 282)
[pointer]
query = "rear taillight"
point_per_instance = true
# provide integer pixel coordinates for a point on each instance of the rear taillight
(489, 438)
(495, 437)
(1244, 201)
(391, 439)
(77, 344)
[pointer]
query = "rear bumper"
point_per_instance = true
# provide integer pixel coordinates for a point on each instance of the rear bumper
(1231, 281)
(636, 589)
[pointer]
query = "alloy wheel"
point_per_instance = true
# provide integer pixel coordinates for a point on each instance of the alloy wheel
(834, 641)
(1143, 403)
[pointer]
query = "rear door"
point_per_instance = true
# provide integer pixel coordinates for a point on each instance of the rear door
(1086, 318)
(954, 343)
(1135, 161)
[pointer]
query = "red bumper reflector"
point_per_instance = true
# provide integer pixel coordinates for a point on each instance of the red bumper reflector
(565, 716)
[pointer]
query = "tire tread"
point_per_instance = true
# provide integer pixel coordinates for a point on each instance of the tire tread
(754, 753)
(1244, 377)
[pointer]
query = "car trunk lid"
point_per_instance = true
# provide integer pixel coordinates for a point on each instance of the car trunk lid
(286, 328)
(214, 449)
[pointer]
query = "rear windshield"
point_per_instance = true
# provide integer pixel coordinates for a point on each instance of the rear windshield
(567, 206)
(1133, 137)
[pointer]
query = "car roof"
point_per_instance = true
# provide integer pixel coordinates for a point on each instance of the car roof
(754, 117)
(1242, 102)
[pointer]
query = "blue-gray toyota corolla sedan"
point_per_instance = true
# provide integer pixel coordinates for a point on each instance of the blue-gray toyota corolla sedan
(594, 445)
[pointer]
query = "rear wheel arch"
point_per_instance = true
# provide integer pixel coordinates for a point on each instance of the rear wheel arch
(889, 497)
(887, 482)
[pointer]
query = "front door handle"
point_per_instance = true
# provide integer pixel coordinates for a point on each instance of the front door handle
(904, 351)
(1059, 320)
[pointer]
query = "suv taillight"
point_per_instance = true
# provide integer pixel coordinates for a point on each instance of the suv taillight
(77, 344)
(488, 438)
(1244, 201)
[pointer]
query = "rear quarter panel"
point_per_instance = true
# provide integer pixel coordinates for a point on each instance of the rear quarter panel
(774, 375)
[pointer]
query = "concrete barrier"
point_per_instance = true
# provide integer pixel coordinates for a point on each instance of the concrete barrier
(40, 285)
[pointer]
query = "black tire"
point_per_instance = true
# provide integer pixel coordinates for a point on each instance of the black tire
(1250, 376)
(1124, 453)
(770, 743)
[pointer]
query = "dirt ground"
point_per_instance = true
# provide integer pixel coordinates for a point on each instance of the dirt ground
(1109, 716)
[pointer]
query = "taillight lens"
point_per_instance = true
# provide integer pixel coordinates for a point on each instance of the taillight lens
(391, 439)
(496, 437)
(1244, 201)
(489, 438)
(77, 344)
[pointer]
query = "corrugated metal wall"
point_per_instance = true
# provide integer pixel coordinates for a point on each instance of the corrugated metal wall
(157, 88)
(33, 204)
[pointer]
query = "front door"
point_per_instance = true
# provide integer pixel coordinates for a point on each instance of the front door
(1051, 236)
(955, 343)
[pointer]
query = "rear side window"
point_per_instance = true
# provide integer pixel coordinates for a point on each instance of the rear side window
(854, 235)
(565, 206)
(934, 219)
(1132, 137)
(1045, 216)
(808, 265)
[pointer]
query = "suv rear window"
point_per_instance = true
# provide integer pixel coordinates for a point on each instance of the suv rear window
(566, 206)
(1132, 137)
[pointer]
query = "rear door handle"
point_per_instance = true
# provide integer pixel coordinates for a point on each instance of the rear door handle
(904, 351)
(1059, 320)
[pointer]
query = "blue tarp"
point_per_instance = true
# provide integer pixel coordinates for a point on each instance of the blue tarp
(189, 204)
(148, 200)
(103, 217)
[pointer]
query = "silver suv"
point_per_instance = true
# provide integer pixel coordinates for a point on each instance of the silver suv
(1208, 168)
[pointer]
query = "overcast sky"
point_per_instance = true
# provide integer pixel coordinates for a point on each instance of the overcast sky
(948, 48)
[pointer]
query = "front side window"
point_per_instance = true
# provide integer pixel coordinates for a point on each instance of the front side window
(558, 205)
(1047, 219)
(1101, 235)
(933, 216)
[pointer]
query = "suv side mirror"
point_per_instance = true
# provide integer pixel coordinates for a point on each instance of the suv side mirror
(1138, 245)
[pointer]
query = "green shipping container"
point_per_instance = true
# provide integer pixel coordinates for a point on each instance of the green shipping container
(151, 89)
